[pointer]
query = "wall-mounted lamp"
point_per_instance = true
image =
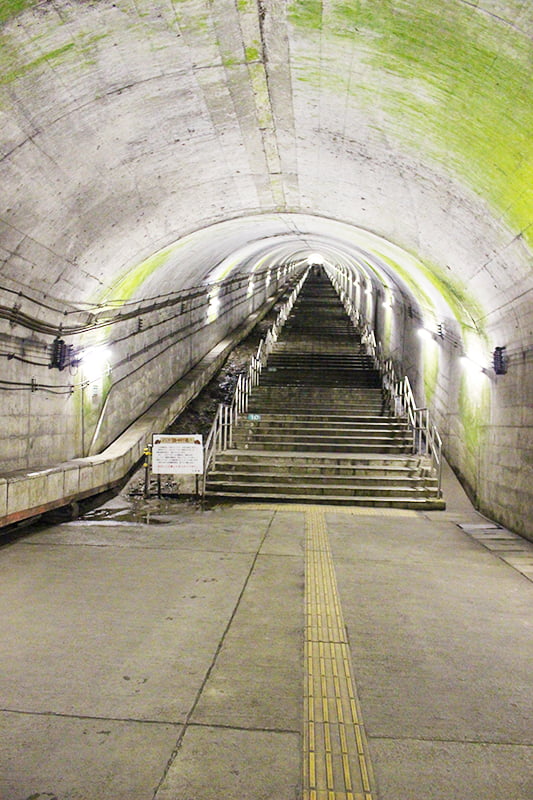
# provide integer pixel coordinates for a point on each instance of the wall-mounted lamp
(472, 364)
(428, 333)
(95, 363)
(499, 360)
(213, 305)
(424, 333)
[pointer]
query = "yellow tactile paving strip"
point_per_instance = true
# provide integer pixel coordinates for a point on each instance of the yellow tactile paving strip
(336, 764)
(353, 510)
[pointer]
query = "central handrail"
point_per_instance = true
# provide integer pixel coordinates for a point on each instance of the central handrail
(220, 436)
(399, 394)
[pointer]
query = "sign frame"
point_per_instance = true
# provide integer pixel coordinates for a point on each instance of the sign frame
(177, 454)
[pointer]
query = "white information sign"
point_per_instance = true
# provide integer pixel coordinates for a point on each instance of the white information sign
(177, 455)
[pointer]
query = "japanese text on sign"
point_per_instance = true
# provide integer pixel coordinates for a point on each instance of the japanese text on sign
(177, 455)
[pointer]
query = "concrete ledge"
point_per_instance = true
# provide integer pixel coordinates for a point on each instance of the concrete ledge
(26, 494)
(3, 497)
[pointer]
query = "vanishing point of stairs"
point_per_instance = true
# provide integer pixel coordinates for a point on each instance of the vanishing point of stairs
(317, 429)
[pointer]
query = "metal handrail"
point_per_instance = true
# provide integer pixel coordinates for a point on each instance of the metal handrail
(400, 397)
(220, 436)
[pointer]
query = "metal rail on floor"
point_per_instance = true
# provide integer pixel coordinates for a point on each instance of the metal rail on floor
(220, 436)
(400, 398)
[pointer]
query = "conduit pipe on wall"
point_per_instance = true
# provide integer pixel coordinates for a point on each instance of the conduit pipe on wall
(26, 494)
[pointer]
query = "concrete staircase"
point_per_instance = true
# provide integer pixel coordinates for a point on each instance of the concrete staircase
(317, 429)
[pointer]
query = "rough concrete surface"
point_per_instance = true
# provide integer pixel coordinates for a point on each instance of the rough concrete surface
(146, 148)
(156, 651)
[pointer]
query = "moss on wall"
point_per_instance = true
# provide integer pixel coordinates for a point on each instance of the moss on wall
(461, 302)
(52, 57)
(464, 305)
(307, 13)
(455, 83)
(474, 413)
(409, 278)
(11, 8)
(252, 53)
(126, 286)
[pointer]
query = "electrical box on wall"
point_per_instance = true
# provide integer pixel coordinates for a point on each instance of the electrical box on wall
(61, 354)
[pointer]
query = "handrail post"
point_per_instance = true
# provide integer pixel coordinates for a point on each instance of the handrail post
(439, 472)
(233, 418)
(226, 426)
(218, 441)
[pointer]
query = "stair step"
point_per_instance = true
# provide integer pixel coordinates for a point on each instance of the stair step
(325, 472)
(354, 481)
(316, 408)
(368, 501)
(382, 425)
(371, 459)
(325, 419)
(314, 447)
(307, 360)
(350, 437)
(323, 432)
(317, 489)
(355, 393)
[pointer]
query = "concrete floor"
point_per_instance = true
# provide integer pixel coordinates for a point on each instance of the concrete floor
(164, 659)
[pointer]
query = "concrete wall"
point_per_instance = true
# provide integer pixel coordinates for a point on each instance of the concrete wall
(127, 126)
(485, 419)
(47, 426)
(162, 357)
(28, 493)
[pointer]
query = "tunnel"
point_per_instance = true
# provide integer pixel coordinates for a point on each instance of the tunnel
(171, 173)
(165, 167)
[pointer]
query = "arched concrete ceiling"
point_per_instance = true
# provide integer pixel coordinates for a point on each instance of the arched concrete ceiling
(126, 126)
(228, 248)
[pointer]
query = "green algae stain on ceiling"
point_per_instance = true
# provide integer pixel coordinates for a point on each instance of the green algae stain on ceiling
(52, 57)
(36, 55)
(12, 8)
(126, 286)
(455, 84)
(306, 13)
